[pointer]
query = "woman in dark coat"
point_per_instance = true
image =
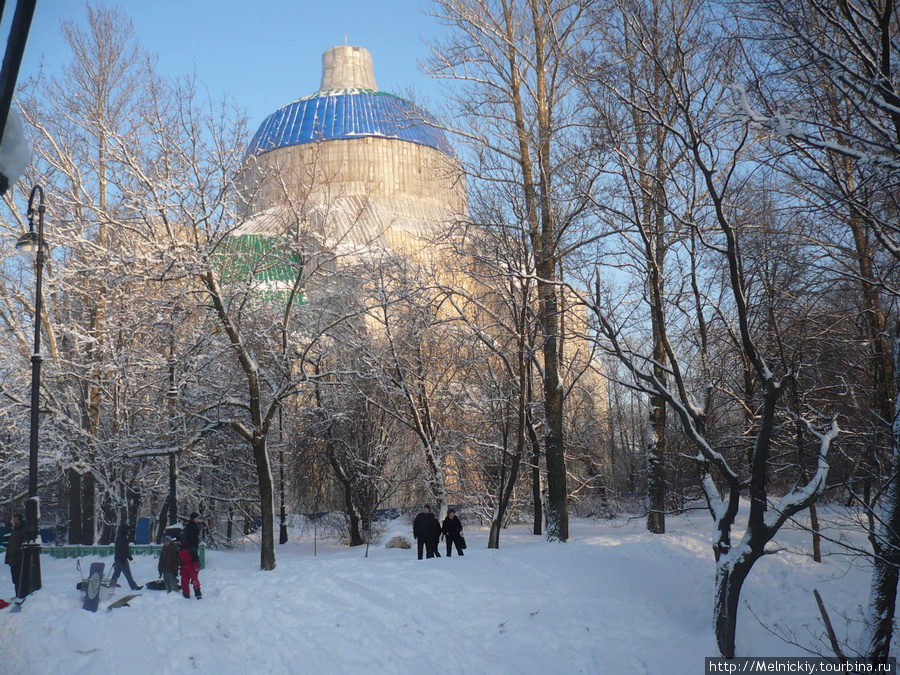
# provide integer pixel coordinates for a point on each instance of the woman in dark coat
(192, 536)
(452, 529)
(14, 550)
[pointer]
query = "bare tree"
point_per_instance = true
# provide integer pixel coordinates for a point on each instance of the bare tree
(648, 193)
(495, 309)
(408, 355)
(516, 98)
(837, 110)
(79, 122)
(683, 101)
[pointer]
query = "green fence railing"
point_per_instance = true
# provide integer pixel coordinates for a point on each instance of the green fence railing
(82, 551)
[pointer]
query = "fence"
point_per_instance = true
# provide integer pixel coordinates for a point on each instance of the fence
(82, 551)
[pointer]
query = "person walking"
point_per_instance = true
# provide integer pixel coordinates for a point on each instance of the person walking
(14, 550)
(168, 564)
(427, 533)
(190, 574)
(121, 558)
(452, 532)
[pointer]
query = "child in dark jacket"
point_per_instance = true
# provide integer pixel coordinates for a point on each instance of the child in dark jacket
(168, 564)
(190, 573)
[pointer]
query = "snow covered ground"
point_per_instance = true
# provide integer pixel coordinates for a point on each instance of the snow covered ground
(614, 599)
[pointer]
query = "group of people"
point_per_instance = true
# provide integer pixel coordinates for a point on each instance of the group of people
(428, 533)
(177, 556)
(180, 557)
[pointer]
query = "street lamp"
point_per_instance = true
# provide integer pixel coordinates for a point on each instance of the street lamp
(283, 533)
(32, 245)
(171, 396)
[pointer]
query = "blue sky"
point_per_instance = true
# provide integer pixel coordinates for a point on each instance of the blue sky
(264, 53)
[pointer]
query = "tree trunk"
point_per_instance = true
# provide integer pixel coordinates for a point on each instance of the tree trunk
(266, 503)
(88, 505)
(509, 473)
(816, 535)
(75, 515)
(873, 314)
(883, 594)
(111, 519)
(886, 549)
(656, 467)
(548, 299)
(536, 496)
(350, 509)
(494, 535)
(557, 492)
(506, 489)
(656, 247)
(133, 505)
(536, 482)
(656, 450)
(366, 520)
(731, 572)
(163, 519)
(356, 538)
(543, 236)
(437, 483)
(341, 475)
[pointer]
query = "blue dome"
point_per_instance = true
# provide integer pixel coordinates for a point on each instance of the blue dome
(344, 114)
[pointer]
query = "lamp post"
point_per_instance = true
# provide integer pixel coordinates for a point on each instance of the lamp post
(173, 508)
(283, 533)
(31, 244)
(171, 396)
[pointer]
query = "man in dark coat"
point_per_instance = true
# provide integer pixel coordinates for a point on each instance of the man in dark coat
(427, 532)
(452, 529)
(192, 536)
(14, 550)
(121, 558)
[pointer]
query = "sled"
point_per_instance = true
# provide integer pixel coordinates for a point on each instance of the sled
(123, 602)
(95, 588)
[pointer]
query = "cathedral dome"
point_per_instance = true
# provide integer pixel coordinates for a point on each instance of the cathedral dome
(357, 168)
(347, 106)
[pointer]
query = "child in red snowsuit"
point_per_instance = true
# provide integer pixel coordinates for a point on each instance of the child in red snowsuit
(190, 573)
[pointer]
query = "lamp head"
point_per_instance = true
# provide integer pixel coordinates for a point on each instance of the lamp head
(29, 245)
